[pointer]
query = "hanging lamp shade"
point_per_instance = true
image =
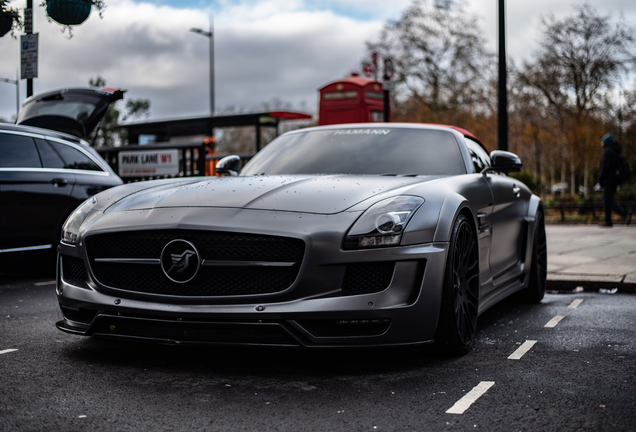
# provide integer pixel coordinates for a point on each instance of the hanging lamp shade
(6, 22)
(69, 12)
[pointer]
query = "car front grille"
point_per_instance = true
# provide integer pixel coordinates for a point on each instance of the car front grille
(236, 257)
(212, 245)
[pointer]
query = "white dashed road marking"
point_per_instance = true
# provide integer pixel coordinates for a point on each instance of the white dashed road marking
(44, 283)
(575, 303)
(524, 348)
(464, 403)
(554, 321)
(7, 351)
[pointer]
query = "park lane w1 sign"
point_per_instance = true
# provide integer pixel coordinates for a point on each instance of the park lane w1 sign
(148, 163)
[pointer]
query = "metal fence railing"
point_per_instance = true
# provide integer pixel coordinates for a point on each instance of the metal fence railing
(584, 207)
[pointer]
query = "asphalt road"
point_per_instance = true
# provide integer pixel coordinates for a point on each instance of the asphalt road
(577, 376)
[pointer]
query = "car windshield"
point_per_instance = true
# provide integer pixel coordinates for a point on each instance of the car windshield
(360, 151)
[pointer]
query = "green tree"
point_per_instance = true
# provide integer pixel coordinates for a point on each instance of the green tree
(17, 23)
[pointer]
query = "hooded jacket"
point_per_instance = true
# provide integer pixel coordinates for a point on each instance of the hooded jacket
(609, 162)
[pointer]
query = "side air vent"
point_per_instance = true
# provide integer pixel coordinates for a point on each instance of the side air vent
(364, 278)
(74, 271)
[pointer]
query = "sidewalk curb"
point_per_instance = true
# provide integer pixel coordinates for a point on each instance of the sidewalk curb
(568, 286)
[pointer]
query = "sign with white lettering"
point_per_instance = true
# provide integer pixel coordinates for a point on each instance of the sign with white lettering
(148, 163)
(28, 20)
(29, 56)
(389, 68)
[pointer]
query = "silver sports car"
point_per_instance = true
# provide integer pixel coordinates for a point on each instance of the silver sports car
(339, 236)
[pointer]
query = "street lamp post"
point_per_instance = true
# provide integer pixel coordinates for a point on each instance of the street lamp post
(17, 92)
(210, 35)
(29, 30)
(502, 88)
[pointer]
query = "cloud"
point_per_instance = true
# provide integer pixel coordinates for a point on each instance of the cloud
(264, 50)
(524, 20)
(272, 50)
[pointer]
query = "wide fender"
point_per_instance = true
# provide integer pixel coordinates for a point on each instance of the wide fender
(534, 206)
(453, 205)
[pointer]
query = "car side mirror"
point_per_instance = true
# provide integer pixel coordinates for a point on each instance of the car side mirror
(229, 165)
(503, 161)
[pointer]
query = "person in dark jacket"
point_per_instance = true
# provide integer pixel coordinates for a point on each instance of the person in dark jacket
(607, 178)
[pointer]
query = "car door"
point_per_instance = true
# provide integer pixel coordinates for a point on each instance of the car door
(511, 199)
(90, 177)
(34, 193)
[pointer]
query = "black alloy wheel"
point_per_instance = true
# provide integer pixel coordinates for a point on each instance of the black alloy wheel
(460, 297)
(539, 269)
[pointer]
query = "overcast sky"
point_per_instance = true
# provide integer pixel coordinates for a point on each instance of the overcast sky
(265, 50)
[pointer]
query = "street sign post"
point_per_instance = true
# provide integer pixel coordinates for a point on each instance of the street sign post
(28, 20)
(388, 86)
(389, 68)
(368, 70)
(29, 56)
(374, 61)
(30, 69)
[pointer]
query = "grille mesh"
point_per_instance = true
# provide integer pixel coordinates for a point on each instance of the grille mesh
(74, 271)
(212, 245)
(211, 281)
(362, 278)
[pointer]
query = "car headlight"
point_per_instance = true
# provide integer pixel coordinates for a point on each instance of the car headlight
(383, 223)
(71, 227)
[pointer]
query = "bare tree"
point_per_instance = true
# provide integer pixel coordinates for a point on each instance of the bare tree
(581, 58)
(588, 54)
(442, 65)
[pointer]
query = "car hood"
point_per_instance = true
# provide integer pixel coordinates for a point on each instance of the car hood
(304, 194)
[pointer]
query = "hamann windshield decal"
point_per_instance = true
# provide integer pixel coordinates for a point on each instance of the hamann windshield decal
(362, 132)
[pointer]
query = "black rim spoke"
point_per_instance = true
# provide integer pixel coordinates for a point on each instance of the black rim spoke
(465, 283)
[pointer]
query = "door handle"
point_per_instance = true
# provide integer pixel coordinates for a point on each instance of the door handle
(516, 190)
(59, 182)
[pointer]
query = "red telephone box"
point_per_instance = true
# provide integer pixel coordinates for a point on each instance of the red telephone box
(351, 100)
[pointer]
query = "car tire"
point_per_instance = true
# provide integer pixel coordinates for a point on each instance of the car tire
(539, 268)
(460, 295)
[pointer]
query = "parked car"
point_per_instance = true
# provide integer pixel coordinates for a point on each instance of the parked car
(76, 111)
(44, 175)
(336, 236)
